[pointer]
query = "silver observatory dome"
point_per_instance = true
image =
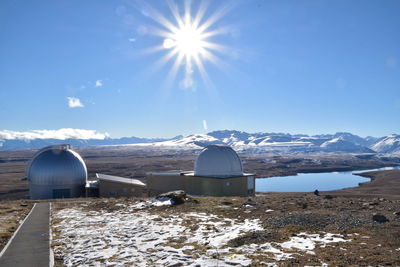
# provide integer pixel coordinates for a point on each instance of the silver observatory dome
(218, 161)
(56, 172)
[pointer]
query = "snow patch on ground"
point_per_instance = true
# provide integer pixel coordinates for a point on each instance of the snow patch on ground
(304, 241)
(133, 235)
(152, 203)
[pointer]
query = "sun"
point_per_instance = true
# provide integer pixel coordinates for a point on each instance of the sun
(187, 39)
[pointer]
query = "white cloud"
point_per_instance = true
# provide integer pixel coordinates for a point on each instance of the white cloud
(99, 83)
(132, 40)
(74, 102)
(205, 125)
(63, 133)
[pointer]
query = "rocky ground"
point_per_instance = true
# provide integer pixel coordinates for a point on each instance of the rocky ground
(271, 229)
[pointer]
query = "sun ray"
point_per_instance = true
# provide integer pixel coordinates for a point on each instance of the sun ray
(172, 74)
(165, 59)
(159, 32)
(200, 13)
(187, 38)
(217, 15)
(187, 9)
(175, 12)
(152, 49)
(202, 70)
(158, 17)
(214, 46)
(218, 31)
(215, 60)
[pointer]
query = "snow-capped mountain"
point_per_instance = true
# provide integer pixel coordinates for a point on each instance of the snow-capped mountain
(7, 144)
(339, 144)
(241, 141)
(258, 142)
(190, 141)
(389, 144)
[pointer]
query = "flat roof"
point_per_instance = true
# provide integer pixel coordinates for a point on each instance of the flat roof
(169, 173)
(190, 173)
(231, 176)
(117, 179)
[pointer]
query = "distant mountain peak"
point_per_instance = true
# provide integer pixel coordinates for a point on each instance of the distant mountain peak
(389, 144)
(239, 140)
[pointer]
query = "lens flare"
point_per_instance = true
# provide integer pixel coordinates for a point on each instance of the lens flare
(187, 39)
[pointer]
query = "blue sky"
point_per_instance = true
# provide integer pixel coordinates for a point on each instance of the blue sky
(309, 67)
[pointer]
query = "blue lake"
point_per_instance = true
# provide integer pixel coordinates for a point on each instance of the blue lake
(308, 182)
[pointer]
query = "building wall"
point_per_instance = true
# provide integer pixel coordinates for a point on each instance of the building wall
(50, 191)
(201, 186)
(114, 189)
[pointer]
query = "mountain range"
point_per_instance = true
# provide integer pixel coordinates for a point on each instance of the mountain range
(341, 142)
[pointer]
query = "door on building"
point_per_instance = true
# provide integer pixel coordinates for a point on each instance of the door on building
(61, 193)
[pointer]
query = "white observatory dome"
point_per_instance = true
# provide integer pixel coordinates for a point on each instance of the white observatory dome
(56, 172)
(218, 161)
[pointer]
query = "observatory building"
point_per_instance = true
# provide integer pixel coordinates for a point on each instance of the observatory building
(56, 172)
(217, 171)
(60, 172)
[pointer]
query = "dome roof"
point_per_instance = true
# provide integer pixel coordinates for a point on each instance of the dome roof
(218, 161)
(57, 165)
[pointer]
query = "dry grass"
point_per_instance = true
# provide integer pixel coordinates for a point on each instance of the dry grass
(11, 214)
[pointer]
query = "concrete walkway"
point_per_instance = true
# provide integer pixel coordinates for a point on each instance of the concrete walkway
(30, 244)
